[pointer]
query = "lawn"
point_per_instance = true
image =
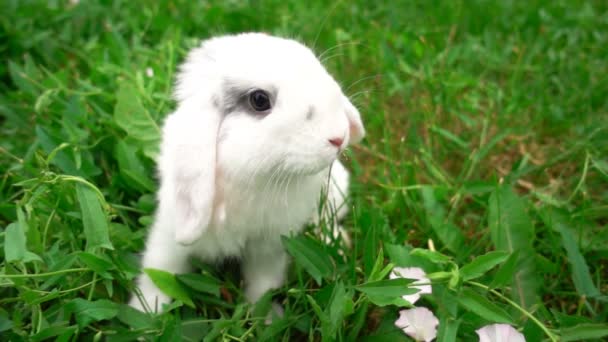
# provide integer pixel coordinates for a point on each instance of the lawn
(485, 164)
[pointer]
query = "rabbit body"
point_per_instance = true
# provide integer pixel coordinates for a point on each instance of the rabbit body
(244, 159)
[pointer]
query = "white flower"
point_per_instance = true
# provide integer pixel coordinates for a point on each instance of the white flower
(418, 323)
(149, 72)
(499, 333)
(413, 273)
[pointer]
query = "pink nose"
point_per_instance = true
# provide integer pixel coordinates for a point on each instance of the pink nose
(336, 142)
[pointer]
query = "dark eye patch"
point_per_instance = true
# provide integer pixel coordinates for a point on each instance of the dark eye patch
(260, 101)
(248, 98)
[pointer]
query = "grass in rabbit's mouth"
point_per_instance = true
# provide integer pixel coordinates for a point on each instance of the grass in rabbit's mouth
(487, 132)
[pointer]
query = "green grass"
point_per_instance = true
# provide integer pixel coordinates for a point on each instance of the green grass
(487, 131)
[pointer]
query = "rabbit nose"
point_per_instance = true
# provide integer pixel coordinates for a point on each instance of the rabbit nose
(336, 142)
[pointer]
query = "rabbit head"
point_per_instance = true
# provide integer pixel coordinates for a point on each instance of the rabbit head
(250, 105)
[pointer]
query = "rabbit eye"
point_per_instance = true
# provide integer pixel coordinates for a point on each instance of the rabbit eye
(259, 100)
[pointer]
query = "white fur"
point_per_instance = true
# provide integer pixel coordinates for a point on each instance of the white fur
(231, 182)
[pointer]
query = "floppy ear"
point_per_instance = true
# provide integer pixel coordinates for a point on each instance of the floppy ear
(355, 125)
(191, 162)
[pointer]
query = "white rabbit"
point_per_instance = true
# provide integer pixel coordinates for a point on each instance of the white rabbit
(244, 158)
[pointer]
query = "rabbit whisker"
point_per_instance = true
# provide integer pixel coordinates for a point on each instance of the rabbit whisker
(331, 56)
(354, 96)
(361, 80)
(337, 46)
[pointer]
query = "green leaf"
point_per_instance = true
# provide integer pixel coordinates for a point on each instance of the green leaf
(565, 320)
(32, 235)
(337, 306)
(168, 283)
(271, 332)
(388, 287)
(448, 329)
(580, 271)
(506, 272)
(449, 234)
(331, 318)
(48, 333)
(482, 264)
(511, 230)
(201, 282)
(194, 329)
(21, 79)
(86, 311)
(132, 169)
(380, 271)
(93, 218)
(97, 264)
(483, 307)
(29, 256)
(5, 323)
(370, 249)
(432, 256)
(584, 332)
(477, 187)
(55, 147)
(449, 136)
(601, 166)
(382, 300)
(263, 305)
(21, 236)
(358, 321)
(374, 274)
(400, 256)
(14, 243)
(135, 318)
(131, 116)
(44, 100)
(172, 329)
(323, 317)
(309, 254)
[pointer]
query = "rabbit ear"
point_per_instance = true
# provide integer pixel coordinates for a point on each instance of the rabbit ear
(190, 161)
(357, 132)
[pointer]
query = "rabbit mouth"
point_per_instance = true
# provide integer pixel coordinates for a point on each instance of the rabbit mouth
(311, 167)
(315, 168)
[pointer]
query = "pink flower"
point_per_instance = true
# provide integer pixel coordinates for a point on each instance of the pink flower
(499, 333)
(413, 273)
(418, 323)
